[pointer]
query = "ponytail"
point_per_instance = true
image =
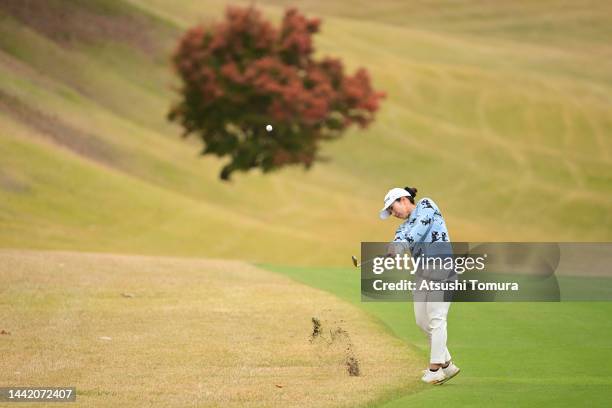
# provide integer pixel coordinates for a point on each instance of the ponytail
(413, 192)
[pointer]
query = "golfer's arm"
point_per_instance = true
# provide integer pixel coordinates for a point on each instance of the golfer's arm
(400, 243)
(421, 227)
(406, 240)
(397, 247)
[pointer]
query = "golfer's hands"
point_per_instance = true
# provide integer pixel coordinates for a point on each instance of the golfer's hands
(396, 248)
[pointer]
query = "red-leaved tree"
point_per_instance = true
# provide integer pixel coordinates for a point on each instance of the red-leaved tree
(242, 74)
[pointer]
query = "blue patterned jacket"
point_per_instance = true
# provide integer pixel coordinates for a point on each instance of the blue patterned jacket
(424, 225)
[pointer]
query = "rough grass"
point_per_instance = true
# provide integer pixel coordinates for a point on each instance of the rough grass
(135, 330)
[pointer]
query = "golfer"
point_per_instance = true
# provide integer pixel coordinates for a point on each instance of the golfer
(423, 224)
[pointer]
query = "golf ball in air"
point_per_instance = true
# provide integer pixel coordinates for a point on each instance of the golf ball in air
(269, 128)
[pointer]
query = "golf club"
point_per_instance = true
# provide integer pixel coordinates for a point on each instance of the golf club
(358, 264)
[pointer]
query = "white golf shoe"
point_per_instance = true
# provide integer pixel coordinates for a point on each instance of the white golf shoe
(433, 377)
(450, 371)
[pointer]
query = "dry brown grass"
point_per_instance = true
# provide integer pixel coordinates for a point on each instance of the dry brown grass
(187, 332)
(51, 127)
(67, 24)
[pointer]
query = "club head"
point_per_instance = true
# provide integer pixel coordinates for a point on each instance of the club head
(355, 262)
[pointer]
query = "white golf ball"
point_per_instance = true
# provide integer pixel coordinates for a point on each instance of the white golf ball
(269, 128)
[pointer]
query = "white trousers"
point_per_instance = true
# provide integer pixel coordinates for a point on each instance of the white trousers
(431, 318)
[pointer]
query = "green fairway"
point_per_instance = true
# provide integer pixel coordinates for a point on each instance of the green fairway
(511, 354)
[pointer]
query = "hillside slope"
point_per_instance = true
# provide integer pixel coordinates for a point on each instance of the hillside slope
(509, 134)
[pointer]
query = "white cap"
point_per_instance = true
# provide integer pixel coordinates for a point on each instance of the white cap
(391, 196)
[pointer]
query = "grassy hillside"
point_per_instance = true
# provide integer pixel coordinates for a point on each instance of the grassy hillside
(501, 114)
(553, 23)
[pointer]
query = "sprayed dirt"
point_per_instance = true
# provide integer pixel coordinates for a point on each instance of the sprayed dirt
(316, 329)
(338, 339)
